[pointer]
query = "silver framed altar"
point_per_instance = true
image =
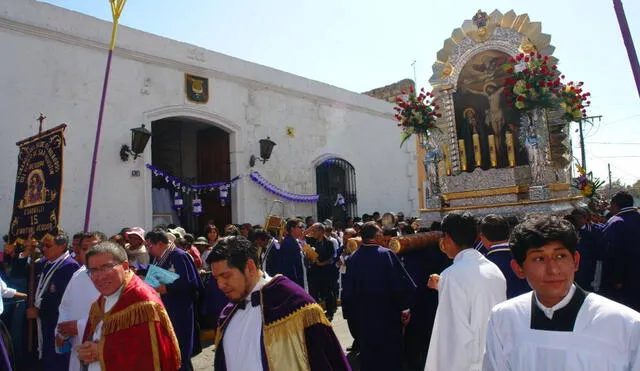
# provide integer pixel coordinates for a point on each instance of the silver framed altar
(486, 156)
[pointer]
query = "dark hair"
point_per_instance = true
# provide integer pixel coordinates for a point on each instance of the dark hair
(116, 251)
(406, 228)
(581, 211)
(622, 199)
(5, 238)
(435, 226)
(211, 228)
(538, 230)
(97, 234)
(78, 235)
(61, 238)
(231, 230)
(461, 226)
(155, 236)
(260, 234)
(494, 228)
(292, 223)
(369, 230)
(390, 231)
(236, 251)
(188, 237)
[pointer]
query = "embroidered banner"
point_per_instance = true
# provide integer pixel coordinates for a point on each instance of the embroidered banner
(36, 205)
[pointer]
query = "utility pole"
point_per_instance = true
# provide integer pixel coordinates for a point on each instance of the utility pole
(582, 149)
(628, 41)
(610, 192)
(415, 77)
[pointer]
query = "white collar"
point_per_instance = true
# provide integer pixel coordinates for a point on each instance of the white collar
(499, 245)
(61, 257)
(461, 255)
(260, 284)
(626, 209)
(563, 303)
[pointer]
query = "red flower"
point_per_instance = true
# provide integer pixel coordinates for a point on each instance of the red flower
(519, 57)
(539, 55)
(512, 60)
(526, 71)
(526, 59)
(510, 70)
(438, 115)
(529, 86)
(588, 102)
(520, 98)
(532, 54)
(562, 77)
(411, 89)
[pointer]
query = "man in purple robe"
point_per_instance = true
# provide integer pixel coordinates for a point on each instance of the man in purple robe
(377, 291)
(621, 277)
(54, 273)
(288, 259)
(179, 297)
(271, 323)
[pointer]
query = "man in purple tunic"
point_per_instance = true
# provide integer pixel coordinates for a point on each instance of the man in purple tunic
(270, 323)
(377, 291)
(179, 297)
(621, 277)
(54, 273)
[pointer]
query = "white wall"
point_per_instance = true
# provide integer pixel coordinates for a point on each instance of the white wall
(55, 65)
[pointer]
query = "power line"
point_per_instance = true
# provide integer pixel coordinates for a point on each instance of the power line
(617, 143)
(622, 120)
(619, 157)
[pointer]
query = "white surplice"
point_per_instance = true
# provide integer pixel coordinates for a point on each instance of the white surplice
(467, 291)
(76, 302)
(605, 337)
(242, 340)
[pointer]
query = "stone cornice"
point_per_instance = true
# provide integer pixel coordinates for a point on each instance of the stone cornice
(249, 83)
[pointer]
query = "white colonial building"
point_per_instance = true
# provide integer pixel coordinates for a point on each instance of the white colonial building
(328, 140)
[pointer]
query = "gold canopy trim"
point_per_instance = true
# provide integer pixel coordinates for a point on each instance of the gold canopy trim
(533, 39)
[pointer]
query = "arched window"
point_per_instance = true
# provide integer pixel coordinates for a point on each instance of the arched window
(336, 186)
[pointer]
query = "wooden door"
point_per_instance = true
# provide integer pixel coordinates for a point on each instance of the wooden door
(214, 166)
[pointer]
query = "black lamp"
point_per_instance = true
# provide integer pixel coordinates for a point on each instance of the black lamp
(139, 138)
(266, 147)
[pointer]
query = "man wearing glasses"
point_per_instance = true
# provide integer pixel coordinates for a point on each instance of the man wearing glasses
(55, 271)
(128, 325)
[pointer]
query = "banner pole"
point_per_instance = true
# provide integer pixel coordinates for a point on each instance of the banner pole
(116, 9)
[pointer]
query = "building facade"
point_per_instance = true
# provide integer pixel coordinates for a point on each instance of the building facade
(54, 63)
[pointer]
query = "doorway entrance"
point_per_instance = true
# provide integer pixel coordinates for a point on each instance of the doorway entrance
(336, 181)
(197, 153)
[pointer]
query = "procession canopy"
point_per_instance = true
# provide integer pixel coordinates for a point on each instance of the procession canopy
(482, 160)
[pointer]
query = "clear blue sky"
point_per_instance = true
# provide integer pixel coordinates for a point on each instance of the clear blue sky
(363, 44)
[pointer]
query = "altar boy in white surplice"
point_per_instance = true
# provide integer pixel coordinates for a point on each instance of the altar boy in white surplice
(467, 291)
(558, 326)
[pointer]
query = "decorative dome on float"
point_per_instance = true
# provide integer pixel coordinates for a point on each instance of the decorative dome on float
(483, 152)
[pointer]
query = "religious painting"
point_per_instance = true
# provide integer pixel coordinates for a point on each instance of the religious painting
(36, 208)
(197, 88)
(484, 122)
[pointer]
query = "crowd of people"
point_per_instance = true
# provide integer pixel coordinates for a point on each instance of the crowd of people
(546, 292)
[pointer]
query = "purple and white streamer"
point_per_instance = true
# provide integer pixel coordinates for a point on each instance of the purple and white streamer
(289, 196)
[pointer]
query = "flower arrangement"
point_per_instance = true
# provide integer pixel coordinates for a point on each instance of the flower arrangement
(533, 82)
(574, 101)
(416, 114)
(585, 182)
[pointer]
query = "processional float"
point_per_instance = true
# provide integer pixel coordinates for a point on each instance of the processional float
(493, 133)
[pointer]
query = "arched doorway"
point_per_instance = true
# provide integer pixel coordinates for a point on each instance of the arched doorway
(197, 153)
(335, 177)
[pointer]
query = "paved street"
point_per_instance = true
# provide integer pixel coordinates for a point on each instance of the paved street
(204, 360)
